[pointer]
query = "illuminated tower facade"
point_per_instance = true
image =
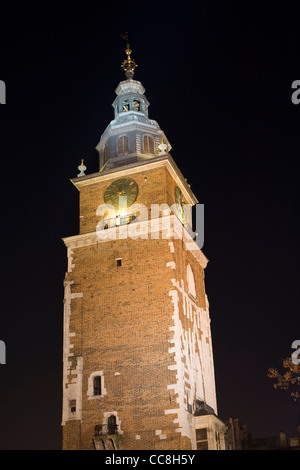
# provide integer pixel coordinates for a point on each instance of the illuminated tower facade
(138, 358)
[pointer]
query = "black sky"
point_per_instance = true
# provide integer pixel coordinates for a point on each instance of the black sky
(218, 78)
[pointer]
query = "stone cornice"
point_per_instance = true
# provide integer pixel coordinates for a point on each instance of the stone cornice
(168, 224)
(138, 167)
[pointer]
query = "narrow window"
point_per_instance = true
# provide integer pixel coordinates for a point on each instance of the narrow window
(201, 438)
(123, 145)
(148, 144)
(72, 404)
(119, 262)
(125, 106)
(136, 105)
(97, 385)
(112, 425)
(188, 405)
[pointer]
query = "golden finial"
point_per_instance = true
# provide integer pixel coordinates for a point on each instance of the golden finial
(128, 64)
(162, 147)
(82, 168)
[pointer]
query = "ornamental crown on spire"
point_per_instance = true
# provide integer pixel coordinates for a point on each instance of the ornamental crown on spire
(128, 64)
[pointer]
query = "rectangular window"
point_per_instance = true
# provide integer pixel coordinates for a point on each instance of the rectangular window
(201, 438)
(123, 146)
(72, 404)
(119, 262)
(188, 405)
(97, 385)
(148, 144)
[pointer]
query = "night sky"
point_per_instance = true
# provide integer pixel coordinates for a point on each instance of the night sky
(218, 78)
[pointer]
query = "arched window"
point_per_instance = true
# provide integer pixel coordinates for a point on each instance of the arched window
(125, 106)
(112, 425)
(136, 105)
(123, 145)
(97, 385)
(148, 144)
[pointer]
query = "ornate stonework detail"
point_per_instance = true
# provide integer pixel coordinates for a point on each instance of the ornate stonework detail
(193, 358)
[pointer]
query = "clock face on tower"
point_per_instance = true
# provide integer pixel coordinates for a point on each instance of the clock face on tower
(125, 187)
(179, 203)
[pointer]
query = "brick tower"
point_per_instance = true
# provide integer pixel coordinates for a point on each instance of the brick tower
(138, 364)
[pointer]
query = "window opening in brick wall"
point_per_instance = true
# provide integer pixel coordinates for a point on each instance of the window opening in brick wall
(72, 404)
(112, 425)
(97, 385)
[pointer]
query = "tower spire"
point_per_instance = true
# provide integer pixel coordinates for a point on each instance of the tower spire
(128, 64)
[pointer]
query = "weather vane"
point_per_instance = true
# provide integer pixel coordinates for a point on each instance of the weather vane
(128, 64)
